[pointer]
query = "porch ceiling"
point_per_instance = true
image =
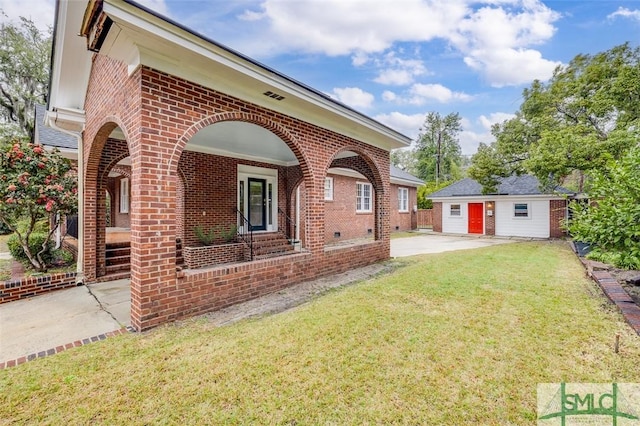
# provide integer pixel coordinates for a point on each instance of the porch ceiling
(242, 140)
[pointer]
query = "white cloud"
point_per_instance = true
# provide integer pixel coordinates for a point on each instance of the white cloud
(397, 71)
(511, 67)
(389, 96)
(482, 32)
(623, 12)
(39, 11)
(422, 93)
(493, 118)
(353, 96)
(408, 125)
(339, 27)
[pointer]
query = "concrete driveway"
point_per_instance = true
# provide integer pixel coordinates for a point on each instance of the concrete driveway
(438, 243)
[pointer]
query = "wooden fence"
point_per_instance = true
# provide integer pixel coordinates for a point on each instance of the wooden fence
(425, 218)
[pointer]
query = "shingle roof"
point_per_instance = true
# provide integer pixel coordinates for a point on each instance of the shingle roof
(402, 175)
(48, 136)
(512, 185)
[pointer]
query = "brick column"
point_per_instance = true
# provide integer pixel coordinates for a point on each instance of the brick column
(490, 220)
(557, 215)
(153, 235)
(437, 216)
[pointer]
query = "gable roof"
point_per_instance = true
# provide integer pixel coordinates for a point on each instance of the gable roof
(512, 185)
(399, 176)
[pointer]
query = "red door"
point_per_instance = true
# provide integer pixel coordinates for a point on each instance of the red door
(476, 215)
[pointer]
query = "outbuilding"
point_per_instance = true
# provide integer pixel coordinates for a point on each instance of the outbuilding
(519, 208)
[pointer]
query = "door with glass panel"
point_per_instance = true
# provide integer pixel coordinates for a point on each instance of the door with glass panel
(257, 204)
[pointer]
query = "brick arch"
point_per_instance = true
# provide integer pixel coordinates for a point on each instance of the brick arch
(120, 170)
(363, 164)
(98, 163)
(256, 119)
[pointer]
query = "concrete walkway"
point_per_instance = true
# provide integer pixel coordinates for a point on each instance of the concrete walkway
(47, 324)
(35, 327)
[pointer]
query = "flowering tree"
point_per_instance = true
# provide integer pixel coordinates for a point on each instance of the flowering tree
(35, 184)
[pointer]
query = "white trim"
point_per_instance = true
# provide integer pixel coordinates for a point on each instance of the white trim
(406, 200)
(329, 189)
(241, 156)
(124, 195)
(363, 185)
(245, 172)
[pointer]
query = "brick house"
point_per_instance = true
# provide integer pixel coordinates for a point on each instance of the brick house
(211, 138)
(518, 209)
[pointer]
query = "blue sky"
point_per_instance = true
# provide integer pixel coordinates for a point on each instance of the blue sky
(398, 60)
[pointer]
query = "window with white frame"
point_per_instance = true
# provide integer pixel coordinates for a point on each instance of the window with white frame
(454, 210)
(521, 210)
(403, 199)
(328, 188)
(363, 197)
(124, 195)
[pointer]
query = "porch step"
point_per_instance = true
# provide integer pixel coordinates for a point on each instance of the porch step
(271, 245)
(121, 267)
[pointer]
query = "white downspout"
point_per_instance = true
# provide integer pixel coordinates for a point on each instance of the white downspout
(78, 136)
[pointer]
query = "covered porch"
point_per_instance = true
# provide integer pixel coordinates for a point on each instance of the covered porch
(223, 153)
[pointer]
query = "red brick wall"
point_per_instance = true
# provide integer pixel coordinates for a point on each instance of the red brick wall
(33, 286)
(489, 221)
(557, 215)
(200, 257)
(403, 221)
(341, 215)
(437, 216)
(158, 115)
(200, 291)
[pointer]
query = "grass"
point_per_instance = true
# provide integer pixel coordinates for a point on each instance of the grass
(3, 243)
(456, 338)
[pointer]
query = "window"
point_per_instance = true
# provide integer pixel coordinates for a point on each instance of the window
(454, 210)
(124, 195)
(328, 188)
(521, 210)
(403, 199)
(363, 197)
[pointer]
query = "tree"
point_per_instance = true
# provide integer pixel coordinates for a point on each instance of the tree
(438, 154)
(35, 184)
(611, 222)
(404, 159)
(24, 76)
(583, 117)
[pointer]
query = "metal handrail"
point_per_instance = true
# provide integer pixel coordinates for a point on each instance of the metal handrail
(247, 233)
(288, 224)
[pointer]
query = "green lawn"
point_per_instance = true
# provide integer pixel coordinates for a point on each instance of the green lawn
(3, 243)
(456, 338)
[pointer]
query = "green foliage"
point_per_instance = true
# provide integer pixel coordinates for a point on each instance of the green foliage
(24, 75)
(4, 229)
(586, 115)
(437, 154)
(404, 159)
(429, 188)
(36, 242)
(216, 234)
(35, 186)
(611, 222)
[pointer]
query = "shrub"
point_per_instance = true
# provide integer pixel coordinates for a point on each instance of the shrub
(216, 233)
(35, 245)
